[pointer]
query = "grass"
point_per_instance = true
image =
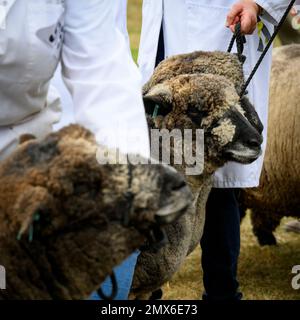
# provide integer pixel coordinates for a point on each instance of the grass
(134, 25)
(264, 272)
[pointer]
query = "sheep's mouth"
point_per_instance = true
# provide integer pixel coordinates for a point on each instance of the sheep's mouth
(243, 155)
(176, 205)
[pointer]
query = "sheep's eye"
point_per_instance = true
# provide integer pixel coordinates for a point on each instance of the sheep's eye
(153, 109)
(195, 114)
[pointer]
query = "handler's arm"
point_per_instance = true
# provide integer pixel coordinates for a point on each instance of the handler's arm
(103, 80)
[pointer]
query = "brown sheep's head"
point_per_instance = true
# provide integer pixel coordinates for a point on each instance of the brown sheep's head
(83, 217)
(204, 62)
(232, 129)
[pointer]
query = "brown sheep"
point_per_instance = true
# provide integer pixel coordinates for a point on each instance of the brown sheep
(279, 192)
(204, 97)
(63, 216)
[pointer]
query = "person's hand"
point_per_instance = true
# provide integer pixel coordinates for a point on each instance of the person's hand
(245, 12)
(294, 12)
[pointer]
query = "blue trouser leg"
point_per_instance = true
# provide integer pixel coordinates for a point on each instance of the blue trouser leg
(124, 274)
(221, 246)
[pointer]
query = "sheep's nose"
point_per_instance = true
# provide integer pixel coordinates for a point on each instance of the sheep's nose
(176, 198)
(254, 142)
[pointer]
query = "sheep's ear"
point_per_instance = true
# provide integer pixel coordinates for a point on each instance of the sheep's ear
(161, 95)
(28, 206)
(243, 57)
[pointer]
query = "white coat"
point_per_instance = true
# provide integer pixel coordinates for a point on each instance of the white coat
(67, 116)
(191, 25)
(105, 85)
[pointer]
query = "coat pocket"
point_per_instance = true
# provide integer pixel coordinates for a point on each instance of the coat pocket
(46, 37)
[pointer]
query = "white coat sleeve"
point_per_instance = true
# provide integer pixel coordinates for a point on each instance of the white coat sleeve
(121, 18)
(274, 9)
(102, 78)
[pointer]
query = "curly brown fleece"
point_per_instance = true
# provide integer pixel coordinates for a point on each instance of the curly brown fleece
(217, 62)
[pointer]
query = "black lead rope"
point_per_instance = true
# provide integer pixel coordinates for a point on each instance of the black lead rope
(237, 36)
(240, 41)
